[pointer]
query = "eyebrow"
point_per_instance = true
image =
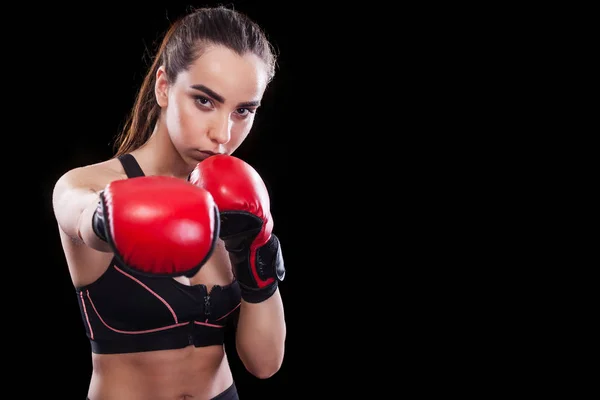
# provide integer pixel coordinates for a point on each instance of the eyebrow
(220, 98)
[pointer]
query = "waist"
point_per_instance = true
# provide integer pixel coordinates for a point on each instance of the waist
(199, 372)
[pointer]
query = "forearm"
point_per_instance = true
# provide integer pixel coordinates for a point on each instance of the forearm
(260, 337)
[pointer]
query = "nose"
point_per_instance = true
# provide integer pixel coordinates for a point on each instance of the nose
(220, 130)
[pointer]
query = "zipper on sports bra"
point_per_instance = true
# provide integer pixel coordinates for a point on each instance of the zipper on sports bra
(207, 306)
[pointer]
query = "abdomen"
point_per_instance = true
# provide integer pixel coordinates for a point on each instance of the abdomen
(201, 372)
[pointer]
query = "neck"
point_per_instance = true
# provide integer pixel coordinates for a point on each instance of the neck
(158, 156)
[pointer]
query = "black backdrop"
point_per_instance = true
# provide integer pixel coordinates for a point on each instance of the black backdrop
(366, 142)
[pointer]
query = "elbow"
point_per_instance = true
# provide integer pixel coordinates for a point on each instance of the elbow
(264, 364)
(265, 369)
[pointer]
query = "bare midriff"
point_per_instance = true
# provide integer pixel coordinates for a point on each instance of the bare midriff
(183, 374)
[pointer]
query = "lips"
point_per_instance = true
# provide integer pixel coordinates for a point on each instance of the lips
(204, 154)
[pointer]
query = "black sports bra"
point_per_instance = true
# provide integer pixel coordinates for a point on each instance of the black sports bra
(125, 312)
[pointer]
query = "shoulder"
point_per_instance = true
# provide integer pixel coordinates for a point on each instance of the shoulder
(92, 176)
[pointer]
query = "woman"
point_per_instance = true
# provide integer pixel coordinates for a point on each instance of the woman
(198, 101)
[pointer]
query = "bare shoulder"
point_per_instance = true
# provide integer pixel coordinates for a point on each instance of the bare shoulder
(92, 177)
(78, 188)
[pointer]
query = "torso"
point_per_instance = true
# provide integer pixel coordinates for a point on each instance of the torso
(201, 372)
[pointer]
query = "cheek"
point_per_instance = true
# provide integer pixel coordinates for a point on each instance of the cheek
(238, 135)
(173, 116)
(183, 119)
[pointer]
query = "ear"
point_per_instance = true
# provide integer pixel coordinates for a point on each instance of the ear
(161, 87)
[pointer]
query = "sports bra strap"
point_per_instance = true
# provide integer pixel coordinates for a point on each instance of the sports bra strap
(131, 166)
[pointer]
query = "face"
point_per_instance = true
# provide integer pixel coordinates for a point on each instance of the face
(210, 108)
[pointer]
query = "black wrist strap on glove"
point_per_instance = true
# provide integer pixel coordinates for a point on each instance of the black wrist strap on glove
(269, 266)
(98, 224)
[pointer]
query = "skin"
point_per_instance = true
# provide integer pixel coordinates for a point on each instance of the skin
(191, 121)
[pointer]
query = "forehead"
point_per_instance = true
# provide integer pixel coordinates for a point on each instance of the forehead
(235, 77)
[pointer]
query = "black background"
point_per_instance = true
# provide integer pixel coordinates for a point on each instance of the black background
(384, 140)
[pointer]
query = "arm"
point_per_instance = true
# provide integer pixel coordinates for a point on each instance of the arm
(256, 258)
(174, 238)
(260, 336)
(75, 199)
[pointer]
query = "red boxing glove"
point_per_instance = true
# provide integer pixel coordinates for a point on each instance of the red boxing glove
(158, 225)
(246, 223)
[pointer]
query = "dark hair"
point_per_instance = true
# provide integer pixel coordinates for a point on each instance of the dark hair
(182, 44)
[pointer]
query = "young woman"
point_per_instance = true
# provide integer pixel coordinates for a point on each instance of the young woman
(155, 240)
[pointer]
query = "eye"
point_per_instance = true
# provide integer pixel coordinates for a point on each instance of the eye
(244, 112)
(203, 101)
